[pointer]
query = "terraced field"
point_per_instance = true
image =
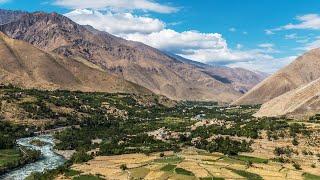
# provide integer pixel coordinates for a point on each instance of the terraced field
(190, 164)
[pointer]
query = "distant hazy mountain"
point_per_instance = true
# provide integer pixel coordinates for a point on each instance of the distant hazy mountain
(240, 79)
(302, 71)
(26, 66)
(132, 61)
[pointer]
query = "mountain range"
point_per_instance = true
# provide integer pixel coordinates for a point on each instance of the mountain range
(294, 90)
(26, 66)
(138, 66)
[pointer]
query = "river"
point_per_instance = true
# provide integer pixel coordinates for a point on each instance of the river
(50, 160)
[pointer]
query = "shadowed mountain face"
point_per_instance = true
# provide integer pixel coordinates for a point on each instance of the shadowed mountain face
(26, 66)
(299, 73)
(132, 61)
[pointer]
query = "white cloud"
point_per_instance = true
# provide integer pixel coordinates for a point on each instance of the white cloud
(266, 45)
(239, 46)
(267, 48)
(308, 21)
(116, 23)
(202, 47)
(4, 1)
(268, 65)
(269, 32)
(232, 29)
(303, 41)
(226, 56)
(145, 5)
(312, 45)
(180, 42)
(291, 36)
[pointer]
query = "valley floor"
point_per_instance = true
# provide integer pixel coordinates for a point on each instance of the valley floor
(128, 136)
(190, 163)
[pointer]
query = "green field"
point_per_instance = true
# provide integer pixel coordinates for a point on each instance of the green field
(9, 156)
(308, 176)
(246, 174)
(87, 177)
(168, 167)
(169, 159)
(183, 172)
(250, 159)
(139, 173)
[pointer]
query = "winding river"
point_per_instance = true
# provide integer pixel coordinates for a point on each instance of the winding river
(50, 160)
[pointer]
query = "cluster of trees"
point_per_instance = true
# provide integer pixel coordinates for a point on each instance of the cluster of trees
(80, 157)
(10, 132)
(225, 145)
(38, 110)
(243, 128)
(315, 118)
(141, 143)
(279, 151)
(297, 128)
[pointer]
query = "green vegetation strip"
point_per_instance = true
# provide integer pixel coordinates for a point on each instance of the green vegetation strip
(250, 159)
(168, 167)
(211, 178)
(183, 172)
(71, 172)
(308, 176)
(87, 177)
(248, 175)
(169, 159)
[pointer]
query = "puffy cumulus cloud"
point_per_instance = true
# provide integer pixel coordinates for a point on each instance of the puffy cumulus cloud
(116, 23)
(145, 5)
(268, 64)
(180, 42)
(202, 47)
(224, 56)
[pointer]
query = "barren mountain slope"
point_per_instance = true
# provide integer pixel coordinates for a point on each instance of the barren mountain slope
(304, 100)
(23, 65)
(7, 16)
(133, 61)
(303, 70)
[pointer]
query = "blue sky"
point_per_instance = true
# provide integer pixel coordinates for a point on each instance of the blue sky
(262, 35)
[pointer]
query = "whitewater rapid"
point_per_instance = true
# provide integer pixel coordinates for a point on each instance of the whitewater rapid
(49, 160)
